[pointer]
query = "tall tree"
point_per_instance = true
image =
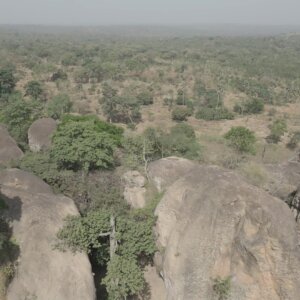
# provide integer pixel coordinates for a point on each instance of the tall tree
(108, 102)
(34, 89)
(84, 144)
(7, 81)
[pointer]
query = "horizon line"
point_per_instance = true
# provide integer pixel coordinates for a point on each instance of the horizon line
(152, 24)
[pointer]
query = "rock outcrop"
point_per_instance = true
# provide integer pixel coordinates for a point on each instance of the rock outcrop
(134, 189)
(39, 134)
(43, 272)
(9, 149)
(213, 224)
(284, 178)
(165, 171)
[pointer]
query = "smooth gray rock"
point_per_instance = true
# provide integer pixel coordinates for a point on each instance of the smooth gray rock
(39, 134)
(43, 272)
(9, 149)
(212, 223)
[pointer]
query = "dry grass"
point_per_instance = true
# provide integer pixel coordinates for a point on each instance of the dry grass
(254, 173)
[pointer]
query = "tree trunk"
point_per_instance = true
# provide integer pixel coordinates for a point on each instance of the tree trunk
(145, 159)
(112, 237)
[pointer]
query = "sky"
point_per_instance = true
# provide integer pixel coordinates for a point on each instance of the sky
(116, 12)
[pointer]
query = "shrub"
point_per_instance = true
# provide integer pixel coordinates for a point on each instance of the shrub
(168, 102)
(199, 88)
(212, 99)
(82, 76)
(41, 165)
(241, 139)
(154, 144)
(278, 128)
(145, 98)
(210, 114)
(181, 141)
(294, 140)
(253, 88)
(59, 75)
(222, 287)
(180, 114)
(181, 98)
(34, 89)
(253, 106)
(183, 129)
(58, 106)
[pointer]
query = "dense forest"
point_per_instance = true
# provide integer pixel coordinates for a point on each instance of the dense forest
(122, 102)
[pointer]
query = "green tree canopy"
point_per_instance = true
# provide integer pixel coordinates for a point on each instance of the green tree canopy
(84, 144)
(17, 114)
(108, 102)
(124, 278)
(82, 233)
(135, 240)
(154, 144)
(58, 105)
(7, 81)
(34, 89)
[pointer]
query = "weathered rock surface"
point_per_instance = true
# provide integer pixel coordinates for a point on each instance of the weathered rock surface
(24, 181)
(134, 189)
(39, 134)
(284, 178)
(9, 149)
(43, 272)
(165, 171)
(155, 284)
(212, 223)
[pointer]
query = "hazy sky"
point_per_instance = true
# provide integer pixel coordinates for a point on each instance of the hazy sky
(97, 12)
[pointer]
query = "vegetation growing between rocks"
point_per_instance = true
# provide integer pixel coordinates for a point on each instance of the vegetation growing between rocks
(134, 246)
(221, 287)
(8, 250)
(84, 144)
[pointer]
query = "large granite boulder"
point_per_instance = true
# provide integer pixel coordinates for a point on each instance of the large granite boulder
(24, 181)
(43, 272)
(9, 149)
(39, 134)
(165, 171)
(212, 224)
(283, 178)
